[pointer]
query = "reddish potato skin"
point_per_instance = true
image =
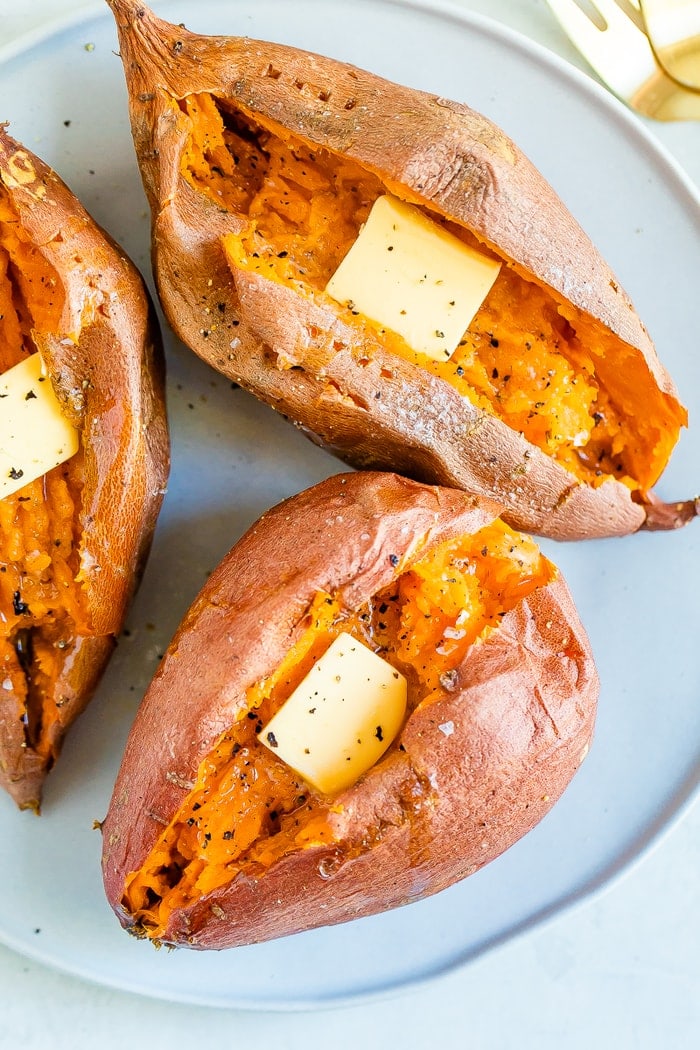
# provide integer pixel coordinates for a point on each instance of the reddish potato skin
(521, 716)
(111, 384)
(390, 414)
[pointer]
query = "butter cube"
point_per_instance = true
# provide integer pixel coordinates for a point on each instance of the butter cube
(407, 273)
(34, 434)
(341, 718)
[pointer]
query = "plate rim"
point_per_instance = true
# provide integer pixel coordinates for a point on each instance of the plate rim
(442, 9)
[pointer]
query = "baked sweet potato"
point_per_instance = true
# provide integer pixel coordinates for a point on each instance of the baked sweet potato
(261, 163)
(211, 840)
(73, 541)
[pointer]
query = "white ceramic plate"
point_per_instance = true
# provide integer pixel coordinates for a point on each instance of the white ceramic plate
(65, 98)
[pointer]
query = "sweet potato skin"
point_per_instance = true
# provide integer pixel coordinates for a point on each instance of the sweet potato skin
(110, 380)
(389, 414)
(479, 767)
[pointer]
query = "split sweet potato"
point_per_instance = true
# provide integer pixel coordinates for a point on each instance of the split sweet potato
(211, 840)
(72, 542)
(261, 163)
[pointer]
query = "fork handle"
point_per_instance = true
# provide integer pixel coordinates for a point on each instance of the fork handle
(673, 29)
(664, 99)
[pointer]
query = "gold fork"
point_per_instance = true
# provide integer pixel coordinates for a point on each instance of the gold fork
(673, 28)
(617, 47)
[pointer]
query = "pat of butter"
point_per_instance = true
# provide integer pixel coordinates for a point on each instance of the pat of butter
(341, 718)
(407, 273)
(34, 434)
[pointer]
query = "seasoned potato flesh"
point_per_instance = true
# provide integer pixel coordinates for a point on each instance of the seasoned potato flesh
(43, 609)
(522, 358)
(246, 808)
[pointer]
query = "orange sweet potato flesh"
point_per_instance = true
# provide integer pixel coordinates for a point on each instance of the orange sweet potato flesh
(211, 841)
(72, 543)
(261, 162)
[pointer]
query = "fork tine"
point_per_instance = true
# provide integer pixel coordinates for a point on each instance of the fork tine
(619, 14)
(623, 58)
(633, 10)
(620, 54)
